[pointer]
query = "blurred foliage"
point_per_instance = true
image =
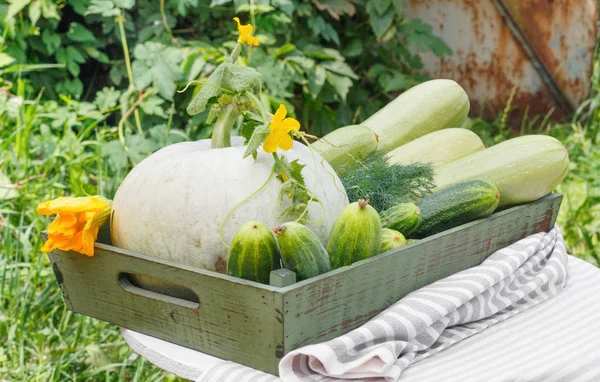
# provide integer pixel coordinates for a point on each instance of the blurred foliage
(332, 62)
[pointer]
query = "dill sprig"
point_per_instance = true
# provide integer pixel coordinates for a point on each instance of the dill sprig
(388, 184)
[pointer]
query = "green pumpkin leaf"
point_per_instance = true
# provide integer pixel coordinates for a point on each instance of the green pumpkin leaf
(152, 106)
(296, 171)
(210, 89)
(258, 137)
(107, 98)
(247, 129)
(226, 77)
(239, 78)
(158, 66)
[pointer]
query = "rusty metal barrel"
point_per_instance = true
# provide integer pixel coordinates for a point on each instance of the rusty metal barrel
(542, 48)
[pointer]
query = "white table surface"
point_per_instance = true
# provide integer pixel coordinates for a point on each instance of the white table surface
(558, 340)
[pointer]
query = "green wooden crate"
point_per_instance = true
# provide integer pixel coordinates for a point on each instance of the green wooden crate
(255, 324)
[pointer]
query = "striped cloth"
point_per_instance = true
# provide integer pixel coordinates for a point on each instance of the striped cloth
(428, 320)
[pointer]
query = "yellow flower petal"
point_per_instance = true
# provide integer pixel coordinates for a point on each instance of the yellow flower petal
(271, 144)
(285, 142)
(278, 117)
(77, 224)
(48, 246)
(72, 205)
(252, 41)
(280, 127)
(289, 124)
(245, 31)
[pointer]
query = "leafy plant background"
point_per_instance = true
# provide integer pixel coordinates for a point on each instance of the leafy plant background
(334, 61)
(88, 88)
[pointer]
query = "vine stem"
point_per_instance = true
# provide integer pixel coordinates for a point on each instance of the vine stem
(242, 202)
(166, 24)
(133, 108)
(221, 136)
(121, 22)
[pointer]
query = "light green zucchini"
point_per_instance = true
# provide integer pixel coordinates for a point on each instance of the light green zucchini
(430, 106)
(438, 148)
(523, 169)
(343, 147)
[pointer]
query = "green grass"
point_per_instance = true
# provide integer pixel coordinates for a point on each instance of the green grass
(45, 342)
(42, 340)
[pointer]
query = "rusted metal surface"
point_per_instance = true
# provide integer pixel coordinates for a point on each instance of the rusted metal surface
(545, 48)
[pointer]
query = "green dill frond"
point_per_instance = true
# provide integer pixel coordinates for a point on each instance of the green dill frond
(387, 184)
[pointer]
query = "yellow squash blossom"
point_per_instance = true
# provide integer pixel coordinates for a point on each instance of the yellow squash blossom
(280, 127)
(245, 31)
(77, 224)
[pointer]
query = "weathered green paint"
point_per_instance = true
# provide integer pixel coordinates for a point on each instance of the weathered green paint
(255, 324)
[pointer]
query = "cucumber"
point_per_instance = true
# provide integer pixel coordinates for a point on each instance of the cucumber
(455, 205)
(391, 239)
(356, 234)
(301, 251)
(524, 168)
(253, 253)
(438, 148)
(403, 217)
(342, 148)
(430, 106)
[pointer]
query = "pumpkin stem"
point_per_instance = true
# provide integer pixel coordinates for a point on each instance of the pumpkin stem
(221, 136)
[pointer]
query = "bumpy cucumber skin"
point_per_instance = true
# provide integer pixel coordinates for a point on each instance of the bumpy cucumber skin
(254, 253)
(403, 217)
(301, 251)
(455, 205)
(356, 235)
(391, 239)
(343, 147)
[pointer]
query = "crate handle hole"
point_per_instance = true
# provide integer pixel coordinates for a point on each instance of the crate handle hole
(156, 289)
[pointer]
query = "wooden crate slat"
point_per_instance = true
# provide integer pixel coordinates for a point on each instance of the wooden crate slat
(255, 324)
(318, 310)
(233, 320)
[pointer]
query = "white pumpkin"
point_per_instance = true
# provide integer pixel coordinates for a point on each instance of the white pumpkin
(171, 205)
